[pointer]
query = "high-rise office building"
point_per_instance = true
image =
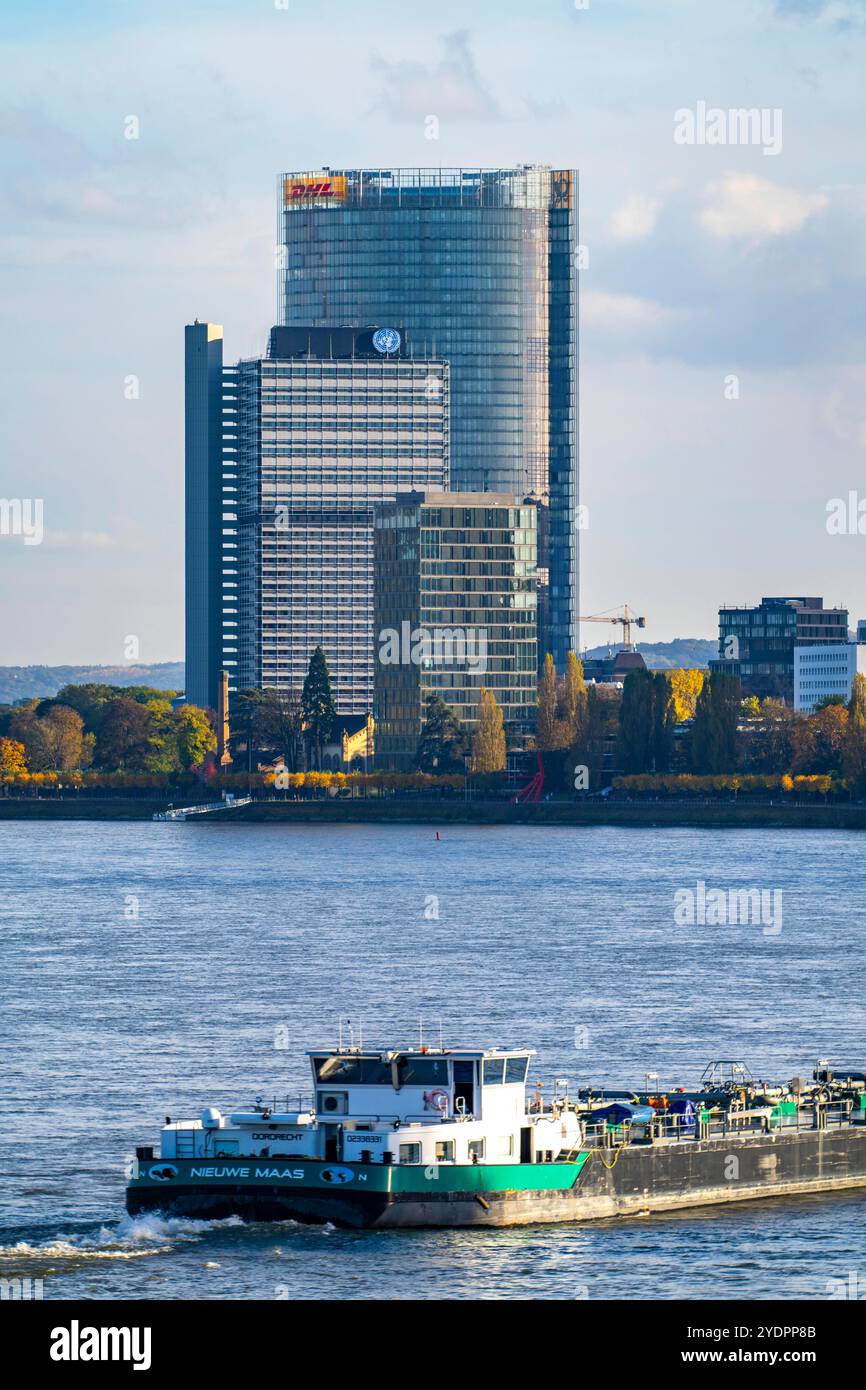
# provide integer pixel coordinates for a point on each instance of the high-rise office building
(311, 437)
(480, 264)
(203, 520)
(455, 610)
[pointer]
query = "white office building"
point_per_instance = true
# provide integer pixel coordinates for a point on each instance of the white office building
(828, 670)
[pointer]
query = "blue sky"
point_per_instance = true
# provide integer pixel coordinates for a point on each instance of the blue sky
(705, 262)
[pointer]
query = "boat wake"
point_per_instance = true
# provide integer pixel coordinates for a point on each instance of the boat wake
(131, 1238)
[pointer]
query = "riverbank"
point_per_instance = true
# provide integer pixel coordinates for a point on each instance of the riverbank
(434, 811)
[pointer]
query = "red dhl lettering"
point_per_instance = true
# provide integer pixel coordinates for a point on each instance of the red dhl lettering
(312, 190)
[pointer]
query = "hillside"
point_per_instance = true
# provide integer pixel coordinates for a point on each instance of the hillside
(25, 682)
(683, 651)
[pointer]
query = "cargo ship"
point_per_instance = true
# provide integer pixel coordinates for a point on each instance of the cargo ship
(456, 1137)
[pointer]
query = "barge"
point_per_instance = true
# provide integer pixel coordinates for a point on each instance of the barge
(455, 1137)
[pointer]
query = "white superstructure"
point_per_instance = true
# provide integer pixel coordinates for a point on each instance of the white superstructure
(416, 1106)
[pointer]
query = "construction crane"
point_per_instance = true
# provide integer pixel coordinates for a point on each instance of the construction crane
(627, 621)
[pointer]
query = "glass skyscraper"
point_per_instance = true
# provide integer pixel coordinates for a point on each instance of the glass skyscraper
(454, 612)
(326, 427)
(480, 265)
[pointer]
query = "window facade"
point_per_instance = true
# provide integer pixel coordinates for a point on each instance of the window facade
(480, 265)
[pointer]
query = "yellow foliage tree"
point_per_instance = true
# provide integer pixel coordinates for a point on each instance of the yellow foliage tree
(13, 759)
(488, 741)
(686, 686)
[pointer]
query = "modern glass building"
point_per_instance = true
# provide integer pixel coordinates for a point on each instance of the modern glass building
(480, 264)
(455, 609)
(320, 430)
(758, 644)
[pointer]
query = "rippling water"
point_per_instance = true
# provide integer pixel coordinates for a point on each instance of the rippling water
(151, 969)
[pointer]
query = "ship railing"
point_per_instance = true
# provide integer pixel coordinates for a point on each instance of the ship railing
(828, 1115)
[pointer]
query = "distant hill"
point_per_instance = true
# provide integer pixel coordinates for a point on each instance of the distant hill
(664, 656)
(29, 682)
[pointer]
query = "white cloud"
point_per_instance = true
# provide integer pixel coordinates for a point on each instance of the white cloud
(754, 209)
(635, 218)
(620, 313)
(452, 87)
(77, 540)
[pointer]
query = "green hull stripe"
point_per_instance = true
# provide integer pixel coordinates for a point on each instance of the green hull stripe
(172, 1174)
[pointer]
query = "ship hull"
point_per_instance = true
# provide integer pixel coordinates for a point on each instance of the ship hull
(635, 1180)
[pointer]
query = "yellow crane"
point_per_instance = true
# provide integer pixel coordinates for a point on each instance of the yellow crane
(626, 619)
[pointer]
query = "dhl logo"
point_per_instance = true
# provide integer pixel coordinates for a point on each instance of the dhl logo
(300, 190)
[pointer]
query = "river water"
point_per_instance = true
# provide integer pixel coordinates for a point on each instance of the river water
(150, 969)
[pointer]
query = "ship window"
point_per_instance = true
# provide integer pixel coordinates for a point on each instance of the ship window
(475, 1149)
(226, 1147)
(494, 1071)
(444, 1150)
(410, 1153)
(422, 1071)
(515, 1070)
(505, 1146)
(353, 1071)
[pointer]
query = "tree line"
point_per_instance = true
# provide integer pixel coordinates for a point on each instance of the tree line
(105, 727)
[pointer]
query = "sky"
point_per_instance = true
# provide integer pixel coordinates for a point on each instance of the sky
(722, 307)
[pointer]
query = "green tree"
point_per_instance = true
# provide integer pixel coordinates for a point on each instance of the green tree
(442, 745)
(317, 703)
(714, 732)
(854, 750)
(488, 741)
(664, 719)
(599, 730)
(634, 749)
(123, 741)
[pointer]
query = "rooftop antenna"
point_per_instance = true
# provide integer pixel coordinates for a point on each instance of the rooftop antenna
(360, 1035)
(351, 1035)
(340, 1033)
(421, 1034)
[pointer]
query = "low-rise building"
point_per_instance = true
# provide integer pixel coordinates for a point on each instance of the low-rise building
(823, 671)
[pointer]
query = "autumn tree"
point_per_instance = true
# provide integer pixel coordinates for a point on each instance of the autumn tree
(572, 702)
(686, 686)
(279, 726)
(54, 741)
(545, 719)
(442, 744)
(488, 741)
(195, 736)
(13, 759)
